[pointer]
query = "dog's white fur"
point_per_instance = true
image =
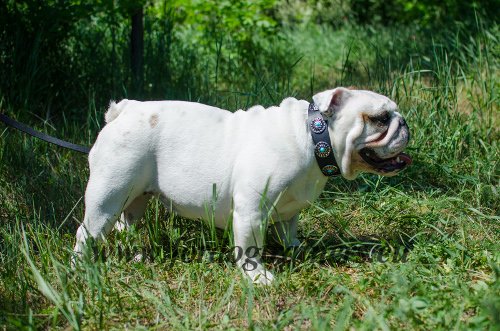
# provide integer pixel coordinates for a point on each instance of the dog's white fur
(178, 151)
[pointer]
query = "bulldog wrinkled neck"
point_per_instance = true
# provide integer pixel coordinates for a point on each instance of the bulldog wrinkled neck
(323, 150)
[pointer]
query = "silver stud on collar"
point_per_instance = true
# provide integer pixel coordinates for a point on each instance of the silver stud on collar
(322, 149)
(329, 170)
(318, 125)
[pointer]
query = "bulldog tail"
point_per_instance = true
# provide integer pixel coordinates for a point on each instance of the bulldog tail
(114, 110)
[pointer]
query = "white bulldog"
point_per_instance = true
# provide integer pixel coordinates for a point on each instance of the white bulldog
(261, 161)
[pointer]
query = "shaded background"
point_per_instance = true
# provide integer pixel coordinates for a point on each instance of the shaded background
(55, 56)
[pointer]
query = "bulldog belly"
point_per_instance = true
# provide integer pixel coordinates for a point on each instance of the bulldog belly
(199, 204)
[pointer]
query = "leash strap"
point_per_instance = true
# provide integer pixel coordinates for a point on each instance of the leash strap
(40, 135)
(323, 150)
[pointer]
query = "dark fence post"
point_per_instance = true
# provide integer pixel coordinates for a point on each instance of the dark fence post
(137, 50)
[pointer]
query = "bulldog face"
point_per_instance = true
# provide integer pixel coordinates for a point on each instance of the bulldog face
(367, 132)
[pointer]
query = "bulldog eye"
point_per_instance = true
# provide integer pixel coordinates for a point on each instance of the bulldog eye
(381, 120)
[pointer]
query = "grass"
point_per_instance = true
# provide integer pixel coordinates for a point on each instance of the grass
(417, 251)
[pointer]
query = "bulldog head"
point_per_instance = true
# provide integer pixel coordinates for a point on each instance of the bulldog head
(367, 132)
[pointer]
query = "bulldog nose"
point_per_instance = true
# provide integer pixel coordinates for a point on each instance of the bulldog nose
(402, 122)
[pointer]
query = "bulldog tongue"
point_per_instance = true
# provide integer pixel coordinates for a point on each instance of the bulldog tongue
(403, 157)
(396, 163)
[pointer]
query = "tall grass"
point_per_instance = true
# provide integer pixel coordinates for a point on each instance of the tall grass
(419, 250)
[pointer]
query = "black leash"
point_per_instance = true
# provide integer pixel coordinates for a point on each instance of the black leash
(40, 135)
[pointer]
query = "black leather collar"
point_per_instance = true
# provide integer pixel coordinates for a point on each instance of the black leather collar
(323, 150)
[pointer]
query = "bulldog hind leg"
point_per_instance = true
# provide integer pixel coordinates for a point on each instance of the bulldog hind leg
(105, 198)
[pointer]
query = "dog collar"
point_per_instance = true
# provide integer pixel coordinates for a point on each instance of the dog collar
(323, 150)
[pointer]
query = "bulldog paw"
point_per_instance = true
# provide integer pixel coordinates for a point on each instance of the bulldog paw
(295, 250)
(260, 276)
(294, 243)
(73, 261)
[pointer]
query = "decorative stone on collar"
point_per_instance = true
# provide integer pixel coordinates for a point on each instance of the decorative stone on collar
(323, 150)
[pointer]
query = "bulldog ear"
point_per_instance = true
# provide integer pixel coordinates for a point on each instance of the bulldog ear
(331, 101)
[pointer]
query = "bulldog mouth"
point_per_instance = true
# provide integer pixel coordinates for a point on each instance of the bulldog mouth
(391, 164)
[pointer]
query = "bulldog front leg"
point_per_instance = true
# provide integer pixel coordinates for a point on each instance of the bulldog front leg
(285, 233)
(249, 230)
